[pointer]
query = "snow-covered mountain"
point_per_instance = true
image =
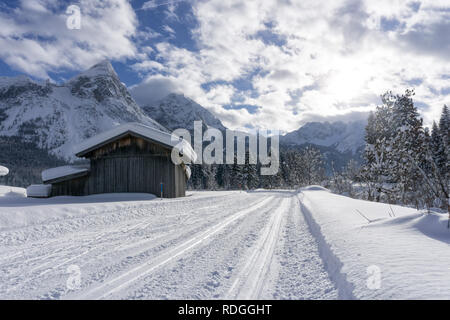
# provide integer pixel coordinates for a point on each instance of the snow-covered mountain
(177, 111)
(343, 137)
(58, 116)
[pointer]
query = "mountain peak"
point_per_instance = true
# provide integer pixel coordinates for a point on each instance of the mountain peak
(102, 68)
(178, 111)
(177, 97)
(343, 136)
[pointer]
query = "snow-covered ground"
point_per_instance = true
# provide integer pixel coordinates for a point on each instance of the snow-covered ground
(11, 192)
(379, 251)
(277, 244)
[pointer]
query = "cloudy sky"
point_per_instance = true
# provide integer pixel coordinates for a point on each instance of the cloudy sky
(267, 63)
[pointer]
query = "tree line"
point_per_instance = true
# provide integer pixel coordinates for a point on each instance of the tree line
(297, 168)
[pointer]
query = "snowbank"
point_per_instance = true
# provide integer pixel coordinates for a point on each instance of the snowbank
(17, 212)
(8, 192)
(401, 253)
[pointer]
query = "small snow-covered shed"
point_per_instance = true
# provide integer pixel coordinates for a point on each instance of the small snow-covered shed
(128, 158)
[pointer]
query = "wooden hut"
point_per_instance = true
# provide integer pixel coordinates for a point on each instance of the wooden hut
(129, 158)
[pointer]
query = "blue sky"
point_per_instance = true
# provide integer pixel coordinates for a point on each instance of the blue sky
(267, 64)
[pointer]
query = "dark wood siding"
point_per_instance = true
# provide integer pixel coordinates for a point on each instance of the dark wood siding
(130, 164)
(74, 187)
(180, 181)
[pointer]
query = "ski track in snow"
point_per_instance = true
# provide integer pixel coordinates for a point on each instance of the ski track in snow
(253, 245)
(250, 282)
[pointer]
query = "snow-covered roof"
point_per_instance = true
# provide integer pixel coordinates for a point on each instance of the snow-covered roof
(39, 190)
(64, 171)
(137, 129)
(3, 171)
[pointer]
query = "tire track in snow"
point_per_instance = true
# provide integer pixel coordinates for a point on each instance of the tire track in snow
(87, 217)
(250, 281)
(207, 272)
(301, 274)
(114, 285)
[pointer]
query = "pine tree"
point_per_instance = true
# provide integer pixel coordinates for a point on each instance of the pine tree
(437, 146)
(220, 176)
(443, 153)
(195, 181)
(271, 181)
(237, 179)
(379, 133)
(251, 180)
(291, 166)
(408, 147)
(312, 166)
(208, 177)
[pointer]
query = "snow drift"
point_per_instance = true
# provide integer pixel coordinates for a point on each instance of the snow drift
(405, 249)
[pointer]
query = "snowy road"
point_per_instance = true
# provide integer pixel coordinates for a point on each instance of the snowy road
(207, 246)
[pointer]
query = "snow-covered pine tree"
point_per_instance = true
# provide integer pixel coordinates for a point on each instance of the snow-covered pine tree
(437, 145)
(352, 170)
(395, 144)
(220, 176)
(408, 148)
(439, 159)
(208, 177)
(250, 174)
(291, 167)
(443, 154)
(227, 176)
(237, 178)
(312, 166)
(195, 182)
(271, 181)
(379, 131)
(297, 168)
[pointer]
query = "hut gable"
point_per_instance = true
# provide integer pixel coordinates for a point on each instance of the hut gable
(136, 130)
(127, 145)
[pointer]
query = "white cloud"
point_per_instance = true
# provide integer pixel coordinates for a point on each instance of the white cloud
(34, 37)
(153, 88)
(149, 5)
(168, 29)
